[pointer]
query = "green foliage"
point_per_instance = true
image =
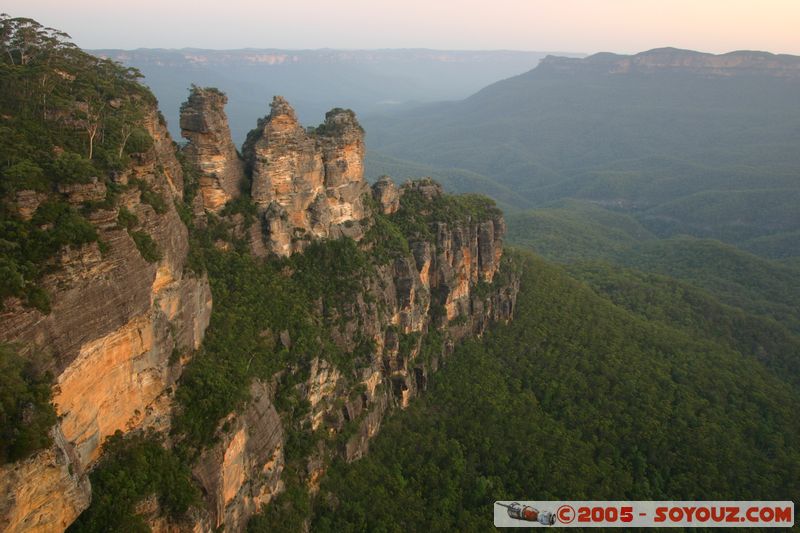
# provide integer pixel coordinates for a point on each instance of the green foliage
(24, 175)
(408, 342)
(139, 141)
(253, 302)
(126, 219)
(132, 468)
(184, 213)
(577, 397)
(287, 513)
(150, 197)
(386, 239)
(65, 117)
(330, 127)
(306, 296)
(573, 230)
(28, 246)
(53, 94)
(759, 286)
(26, 411)
(191, 178)
(576, 231)
(663, 299)
(683, 153)
(243, 205)
(418, 213)
(146, 246)
(70, 167)
(780, 246)
(334, 270)
(454, 180)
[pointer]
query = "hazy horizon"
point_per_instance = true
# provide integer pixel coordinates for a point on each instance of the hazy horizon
(579, 26)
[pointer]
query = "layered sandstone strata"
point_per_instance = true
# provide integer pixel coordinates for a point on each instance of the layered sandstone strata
(307, 184)
(210, 149)
(115, 336)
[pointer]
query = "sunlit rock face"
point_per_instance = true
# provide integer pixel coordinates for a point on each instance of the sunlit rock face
(242, 471)
(118, 333)
(121, 328)
(307, 184)
(211, 150)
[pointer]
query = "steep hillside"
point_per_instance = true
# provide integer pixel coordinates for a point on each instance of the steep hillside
(573, 231)
(659, 298)
(577, 397)
(98, 308)
(738, 278)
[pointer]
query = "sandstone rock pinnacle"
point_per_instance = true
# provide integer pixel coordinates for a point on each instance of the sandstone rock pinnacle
(307, 184)
(210, 148)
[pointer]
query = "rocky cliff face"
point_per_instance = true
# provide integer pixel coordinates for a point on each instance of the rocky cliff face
(737, 63)
(306, 184)
(118, 328)
(122, 326)
(210, 148)
(452, 283)
(387, 195)
(243, 470)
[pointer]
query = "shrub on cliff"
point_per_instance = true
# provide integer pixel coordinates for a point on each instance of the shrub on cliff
(27, 247)
(26, 414)
(146, 246)
(134, 467)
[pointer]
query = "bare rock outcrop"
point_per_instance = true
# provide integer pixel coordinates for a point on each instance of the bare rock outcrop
(451, 284)
(31, 506)
(307, 184)
(122, 326)
(386, 193)
(210, 148)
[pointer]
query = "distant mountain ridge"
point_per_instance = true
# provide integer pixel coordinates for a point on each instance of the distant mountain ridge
(316, 80)
(678, 60)
(686, 142)
(280, 56)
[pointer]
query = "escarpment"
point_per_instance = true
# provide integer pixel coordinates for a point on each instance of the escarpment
(673, 60)
(334, 304)
(422, 271)
(118, 327)
(407, 304)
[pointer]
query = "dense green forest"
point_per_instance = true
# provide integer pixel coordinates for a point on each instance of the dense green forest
(575, 231)
(578, 398)
(26, 413)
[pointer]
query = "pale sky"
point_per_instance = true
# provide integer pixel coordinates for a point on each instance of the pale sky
(624, 26)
